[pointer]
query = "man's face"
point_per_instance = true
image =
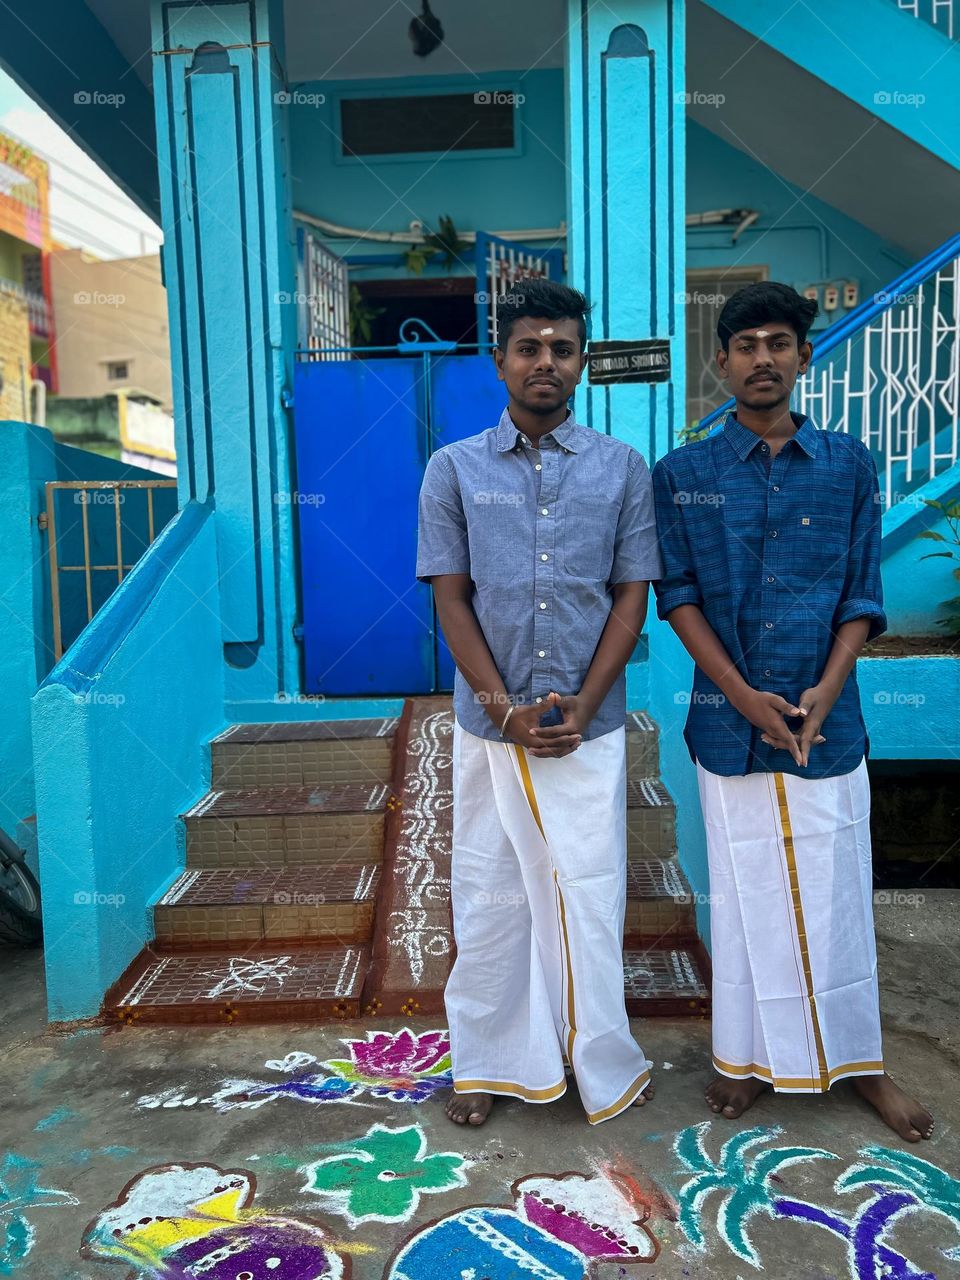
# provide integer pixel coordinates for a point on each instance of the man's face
(763, 364)
(542, 364)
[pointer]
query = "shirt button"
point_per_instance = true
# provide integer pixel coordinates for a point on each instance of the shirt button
(766, 673)
(544, 511)
(768, 625)
(542, 653)
(543, 556)
(537, 467)
(543, 604)
(773, 533)
(539, 699)
(770, 578)
(776, 488)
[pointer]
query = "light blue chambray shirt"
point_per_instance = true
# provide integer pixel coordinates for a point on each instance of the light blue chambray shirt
(544, 534)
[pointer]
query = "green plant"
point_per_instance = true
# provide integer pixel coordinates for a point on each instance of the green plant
(951, 513)
(445, 240)
(362, 316)
(692, 431)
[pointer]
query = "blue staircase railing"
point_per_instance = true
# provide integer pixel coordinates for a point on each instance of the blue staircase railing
(889, 372)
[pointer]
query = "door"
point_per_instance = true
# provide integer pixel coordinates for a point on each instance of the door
(364, 430)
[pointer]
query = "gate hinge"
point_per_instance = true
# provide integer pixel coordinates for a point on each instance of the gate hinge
(42, 521)
(298, 631)
(286, 398)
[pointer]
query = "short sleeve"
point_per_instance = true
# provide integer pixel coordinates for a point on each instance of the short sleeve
(442, 529)
(678, 584)
(862, 595)
(636, 556)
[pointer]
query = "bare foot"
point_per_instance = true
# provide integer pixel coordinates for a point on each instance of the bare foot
(895, 1108)
(472, 1108)
(731, 1098)
(642, 1099)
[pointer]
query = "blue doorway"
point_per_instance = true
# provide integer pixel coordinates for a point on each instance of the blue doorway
(364, 430)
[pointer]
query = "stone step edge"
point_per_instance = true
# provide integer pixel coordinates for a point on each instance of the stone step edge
(190, 875)
(378, 799)
(274, 730)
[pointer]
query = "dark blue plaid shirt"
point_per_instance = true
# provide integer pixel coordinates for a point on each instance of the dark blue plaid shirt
(777, 553)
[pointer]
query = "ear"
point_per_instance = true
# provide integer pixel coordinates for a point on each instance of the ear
(583, 365)
(498, 361)
(722, 358)
(806, 354)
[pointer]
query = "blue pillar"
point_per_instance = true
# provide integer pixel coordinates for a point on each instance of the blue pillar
(626, 199)
(626, 214)
(229, 272)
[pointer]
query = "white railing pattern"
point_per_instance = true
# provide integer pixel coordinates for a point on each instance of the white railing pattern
(942, 14)
(896, 384)
(323, 298)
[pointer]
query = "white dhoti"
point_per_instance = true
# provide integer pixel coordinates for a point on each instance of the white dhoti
(539, 894)
(795, 998)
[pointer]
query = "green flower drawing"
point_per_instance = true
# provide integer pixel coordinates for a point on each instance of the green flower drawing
(381, 1176)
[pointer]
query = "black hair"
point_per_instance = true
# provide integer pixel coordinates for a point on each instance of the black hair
(540, 297)
(766, 300)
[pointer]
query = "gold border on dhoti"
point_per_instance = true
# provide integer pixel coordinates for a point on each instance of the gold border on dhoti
(571, 1018)
(507, 1088)
(791, 860)
(804, 1084)
(626, 1099)
(643, 1079)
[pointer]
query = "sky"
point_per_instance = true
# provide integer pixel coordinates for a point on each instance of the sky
(87, 209)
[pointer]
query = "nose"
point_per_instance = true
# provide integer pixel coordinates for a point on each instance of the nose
(545, 361)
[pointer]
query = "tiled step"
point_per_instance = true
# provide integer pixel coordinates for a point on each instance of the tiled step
(643, 745)
(255, 985)
(288, 826)
(667, 982)
(312, 753)
(287, 904)
(651, 820)
(659, 903)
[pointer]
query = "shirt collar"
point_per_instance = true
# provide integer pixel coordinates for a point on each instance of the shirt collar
(742, 440)
(508, 433)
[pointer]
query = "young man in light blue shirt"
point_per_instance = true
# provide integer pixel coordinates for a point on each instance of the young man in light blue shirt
(539, 539)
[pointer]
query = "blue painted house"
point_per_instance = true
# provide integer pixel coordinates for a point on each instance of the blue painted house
(340, 212)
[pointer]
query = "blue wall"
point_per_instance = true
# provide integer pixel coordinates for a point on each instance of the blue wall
(121, 730)
(798, 238)
(29, 458)
(480, 193)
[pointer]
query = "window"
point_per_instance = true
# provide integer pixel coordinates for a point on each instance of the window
(118, 370)
(435, 122)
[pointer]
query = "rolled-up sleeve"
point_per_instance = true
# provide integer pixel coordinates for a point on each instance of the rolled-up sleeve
(442, 532)
(636, 555)
(863, 587)
(678, 585)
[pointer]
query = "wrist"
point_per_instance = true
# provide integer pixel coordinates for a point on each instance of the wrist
(741, 696)
(497, 706)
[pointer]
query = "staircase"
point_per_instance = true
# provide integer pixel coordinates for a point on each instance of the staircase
(317, 881)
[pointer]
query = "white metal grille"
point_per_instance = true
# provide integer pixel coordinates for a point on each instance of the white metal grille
(506, 266)
(896, 384)
(323, 298)
(942, 14)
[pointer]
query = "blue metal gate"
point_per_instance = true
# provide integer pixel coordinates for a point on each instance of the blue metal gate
(364, 430)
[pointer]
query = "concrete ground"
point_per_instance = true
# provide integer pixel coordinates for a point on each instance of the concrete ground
(87, 1112)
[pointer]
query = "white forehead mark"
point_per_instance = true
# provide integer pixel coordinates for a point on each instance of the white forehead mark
(763, 333)
(545, 332)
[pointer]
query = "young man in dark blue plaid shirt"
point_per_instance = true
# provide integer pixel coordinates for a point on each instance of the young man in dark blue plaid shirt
(770, 536)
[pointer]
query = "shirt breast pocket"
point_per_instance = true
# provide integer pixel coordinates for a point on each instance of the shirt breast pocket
(588, 537)
(822, 545)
